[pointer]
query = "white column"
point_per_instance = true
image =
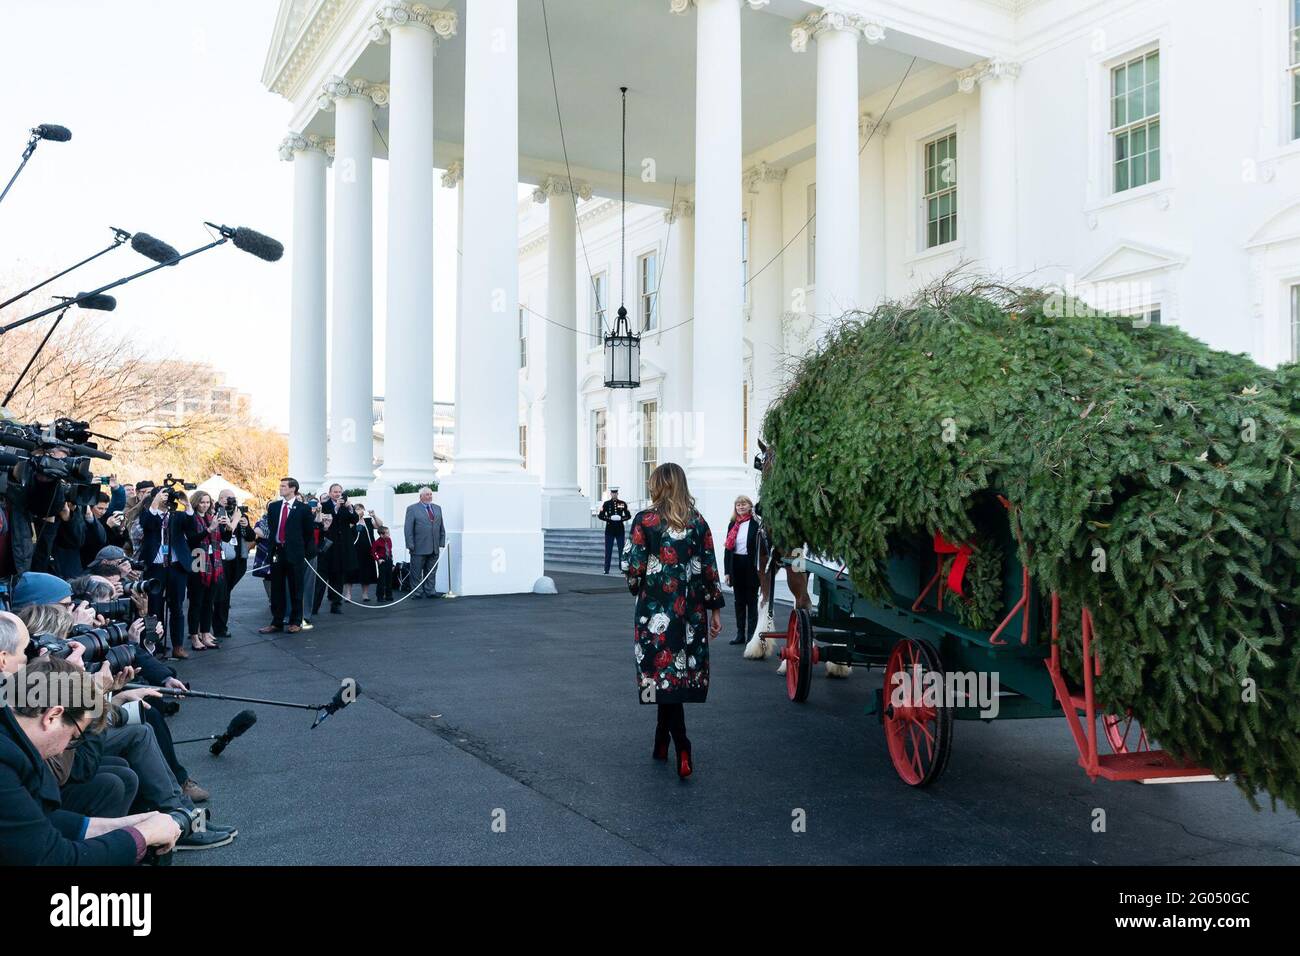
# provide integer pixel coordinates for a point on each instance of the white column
(678, 423)
(998, 227)
(492, 507)
(453, 178)
(351, 415)
(716, 469)
(871, 174)
(838, 232)
(307, 401)
(562, 505)
(408, 379)
(766, 295)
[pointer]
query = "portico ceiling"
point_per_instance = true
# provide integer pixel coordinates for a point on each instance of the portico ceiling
(600, 45)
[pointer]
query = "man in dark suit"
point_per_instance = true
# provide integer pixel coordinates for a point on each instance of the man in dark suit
(165, 551)
(425, 536)
(291, 543)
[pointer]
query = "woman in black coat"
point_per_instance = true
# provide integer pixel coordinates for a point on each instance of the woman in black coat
(741, 564)
(366, 571)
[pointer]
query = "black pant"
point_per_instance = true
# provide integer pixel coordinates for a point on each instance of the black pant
(286, 575)
(109, 793)
(610, 538)
(234, 569)
(203, 598)
(175, 577)
(672, 718)
(744, 586)
(385, 581)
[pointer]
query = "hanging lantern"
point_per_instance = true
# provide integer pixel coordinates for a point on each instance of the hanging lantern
(622, 354)
(623, 346)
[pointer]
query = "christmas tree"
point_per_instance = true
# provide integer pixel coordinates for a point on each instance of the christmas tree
(1153, 477)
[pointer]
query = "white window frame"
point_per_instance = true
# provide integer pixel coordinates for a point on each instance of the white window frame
(523, 443)
(1131, 126)
(744, 256)
(649, 443)
(599, 467)
(810, 196)
(1294, 324)
(599, 310)
(951, 189)
(642, 294)
(523, 336)
(1101, 150)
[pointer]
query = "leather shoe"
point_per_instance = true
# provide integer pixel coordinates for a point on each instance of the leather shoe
(180, 654)
(336, 610)
(270, 629)
(196, 793)
(293, 628)
(738, 640)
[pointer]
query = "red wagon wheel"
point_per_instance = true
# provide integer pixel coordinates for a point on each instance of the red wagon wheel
(918, 729)
(1125, 734)
(799, 655)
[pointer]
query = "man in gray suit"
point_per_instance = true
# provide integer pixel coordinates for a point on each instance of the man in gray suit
(425, 536)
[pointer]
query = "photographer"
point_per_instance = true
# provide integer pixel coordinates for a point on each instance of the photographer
(340, 558)
(136, 738)
(234, 556)
(207, 570)
(164, 549)
(131, 517)
(95, 534)
(69, 536)
(34, 828)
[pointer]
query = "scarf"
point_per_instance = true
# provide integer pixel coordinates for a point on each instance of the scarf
(734, 530)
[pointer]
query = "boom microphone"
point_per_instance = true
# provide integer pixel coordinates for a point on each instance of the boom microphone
(254, 243)
(154, 249)
(238, 727)
(98, 303)
(348, 692)
(55, 134)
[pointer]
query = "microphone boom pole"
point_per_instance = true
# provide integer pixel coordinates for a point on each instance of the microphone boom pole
(58, 134)
(112, 285)
(119, 236)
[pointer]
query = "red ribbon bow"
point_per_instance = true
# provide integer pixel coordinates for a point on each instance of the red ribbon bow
(958, 570)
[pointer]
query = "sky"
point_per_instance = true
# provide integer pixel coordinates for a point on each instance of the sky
(171, 126)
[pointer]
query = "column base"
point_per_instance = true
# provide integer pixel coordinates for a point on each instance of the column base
(565, 508)
(494, 532)
(399, 474)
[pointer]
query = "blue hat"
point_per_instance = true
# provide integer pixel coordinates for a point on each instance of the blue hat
(36, 588)
(110, 552)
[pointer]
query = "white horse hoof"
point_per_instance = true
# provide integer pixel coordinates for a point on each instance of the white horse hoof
(781, 669)
(756, 649)
(838, 670)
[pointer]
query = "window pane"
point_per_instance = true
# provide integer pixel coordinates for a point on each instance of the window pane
(1138, 140)
(1121, 146)
(1153, 135)
(1138, 174)
(1135, 78)
(1121, 175)
(932, 234)
(1135, 101)
(1153, 165)
(953, 229)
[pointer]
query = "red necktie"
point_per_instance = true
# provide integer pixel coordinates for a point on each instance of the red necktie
(284, 516)
(429, 508)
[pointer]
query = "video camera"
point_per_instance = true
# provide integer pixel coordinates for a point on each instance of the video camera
(58, 468)
(174, 489)
(107, 643)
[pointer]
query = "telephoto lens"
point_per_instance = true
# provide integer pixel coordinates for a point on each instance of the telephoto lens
(152, 586)
(122, 608)
(107, 643)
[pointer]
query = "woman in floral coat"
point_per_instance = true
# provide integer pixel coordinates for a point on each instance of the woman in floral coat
(673, 571)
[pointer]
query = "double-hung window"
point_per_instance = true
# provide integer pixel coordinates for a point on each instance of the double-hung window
(941, 190)
(1135, 121)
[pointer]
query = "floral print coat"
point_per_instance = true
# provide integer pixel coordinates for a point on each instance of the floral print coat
(674, 575)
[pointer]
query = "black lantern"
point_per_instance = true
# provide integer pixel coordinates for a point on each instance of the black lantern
(622, 354)
(623, 346)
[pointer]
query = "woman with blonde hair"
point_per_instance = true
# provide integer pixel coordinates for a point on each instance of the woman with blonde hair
(47, 620)
(672, 570)
(740, 564)
(207, 571)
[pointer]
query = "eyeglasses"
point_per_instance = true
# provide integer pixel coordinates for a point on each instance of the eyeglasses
(77, 738)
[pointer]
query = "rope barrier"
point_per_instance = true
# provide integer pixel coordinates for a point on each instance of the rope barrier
(378, 607)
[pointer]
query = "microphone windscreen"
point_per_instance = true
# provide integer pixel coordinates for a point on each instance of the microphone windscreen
(99, 303)
(152, 248)
(58, 134)
(241, 723)
(264, 247)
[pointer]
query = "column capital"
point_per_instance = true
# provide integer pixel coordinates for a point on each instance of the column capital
(559, 186)
(338, 87)
(684, 6)
(992, 69)
(401, 13)
(762, 173)
(681, 209)
(868, 123)
(820, 21)
(454, 174)
(297, 143)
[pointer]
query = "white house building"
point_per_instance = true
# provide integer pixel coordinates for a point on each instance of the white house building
(788, 162)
